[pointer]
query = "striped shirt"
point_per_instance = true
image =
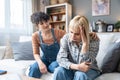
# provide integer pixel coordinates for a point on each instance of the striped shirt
(36, 41)
(70, 53)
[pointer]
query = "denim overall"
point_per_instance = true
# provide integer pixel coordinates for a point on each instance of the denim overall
(49, 57)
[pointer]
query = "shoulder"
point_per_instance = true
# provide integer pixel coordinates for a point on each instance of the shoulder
(35, 35)
(65, 40)
(66, 37)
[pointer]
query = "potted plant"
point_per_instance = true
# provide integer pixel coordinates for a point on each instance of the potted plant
(117, 26)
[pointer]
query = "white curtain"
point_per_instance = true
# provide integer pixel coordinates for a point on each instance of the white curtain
(15, 20)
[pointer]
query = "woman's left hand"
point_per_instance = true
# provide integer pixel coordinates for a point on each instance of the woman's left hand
(93, 35)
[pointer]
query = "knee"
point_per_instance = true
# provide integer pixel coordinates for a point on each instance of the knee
(59, 74)
(34, 71)
(81, 75)
(34, 68)
(52, 67)
(59, 71)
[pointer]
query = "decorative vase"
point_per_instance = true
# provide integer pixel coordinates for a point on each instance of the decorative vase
(119, 30)
(115, 30)
(100, 28)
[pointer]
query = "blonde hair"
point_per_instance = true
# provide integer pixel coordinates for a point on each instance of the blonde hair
(78, 21)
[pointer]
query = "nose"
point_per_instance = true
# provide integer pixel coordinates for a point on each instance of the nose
(73, 36)
(45, 24)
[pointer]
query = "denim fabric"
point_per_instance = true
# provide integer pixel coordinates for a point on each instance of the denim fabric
(49, 57)
(65, 74)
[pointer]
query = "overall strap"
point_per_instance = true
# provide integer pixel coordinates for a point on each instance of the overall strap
(40, 37)
(52, 30)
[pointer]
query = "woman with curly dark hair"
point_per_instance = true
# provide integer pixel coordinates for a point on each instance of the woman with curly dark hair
(48, 40)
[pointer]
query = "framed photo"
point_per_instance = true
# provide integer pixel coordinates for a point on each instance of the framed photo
(100, 7)
(110, 27)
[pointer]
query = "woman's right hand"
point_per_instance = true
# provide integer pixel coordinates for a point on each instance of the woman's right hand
(84, 40)
(43, 68)
(84, 66)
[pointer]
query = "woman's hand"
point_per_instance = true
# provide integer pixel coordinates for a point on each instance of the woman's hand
(43, 68)
(93, 35)
(84, 66)
(84, 40)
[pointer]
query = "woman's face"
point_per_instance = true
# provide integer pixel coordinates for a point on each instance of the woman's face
(75, 35)
(44, 26)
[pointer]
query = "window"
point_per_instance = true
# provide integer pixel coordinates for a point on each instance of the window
(16, 12)
(15, 16)
(2, 14)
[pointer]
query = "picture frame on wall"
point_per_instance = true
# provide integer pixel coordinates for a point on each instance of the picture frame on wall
(100, 7)
(110, 27)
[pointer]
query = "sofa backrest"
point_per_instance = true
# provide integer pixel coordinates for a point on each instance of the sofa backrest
(6, 52)
(105, 40)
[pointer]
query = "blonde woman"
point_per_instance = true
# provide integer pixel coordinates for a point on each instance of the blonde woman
(76, 57)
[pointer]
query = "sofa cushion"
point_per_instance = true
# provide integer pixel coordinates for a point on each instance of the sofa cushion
(109, 76)
(22, 50)
(12, 66)
(111, 59)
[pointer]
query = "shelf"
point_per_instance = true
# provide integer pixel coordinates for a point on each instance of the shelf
(57, 5)
(60, 15)
(57, 13)
(57, 22)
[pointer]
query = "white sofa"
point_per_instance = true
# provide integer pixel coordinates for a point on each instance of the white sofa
(8, 63)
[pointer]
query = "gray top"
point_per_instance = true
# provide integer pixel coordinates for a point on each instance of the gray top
(70, 53)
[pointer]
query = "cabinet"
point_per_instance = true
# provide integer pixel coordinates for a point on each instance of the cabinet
(60, 15)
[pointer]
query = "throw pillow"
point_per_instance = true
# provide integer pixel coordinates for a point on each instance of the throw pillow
(22, 50)
(118, 69)
(105, 40)
(111, 59)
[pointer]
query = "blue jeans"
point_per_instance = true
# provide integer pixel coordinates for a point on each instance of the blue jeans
(65, 74)
(35, 72)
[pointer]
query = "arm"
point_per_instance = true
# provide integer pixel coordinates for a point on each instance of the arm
(93, 50)
(90, 46)
(90, 55)
(84, 54)
(36, 45)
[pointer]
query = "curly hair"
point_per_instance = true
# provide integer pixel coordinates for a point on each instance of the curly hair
(39, 17)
